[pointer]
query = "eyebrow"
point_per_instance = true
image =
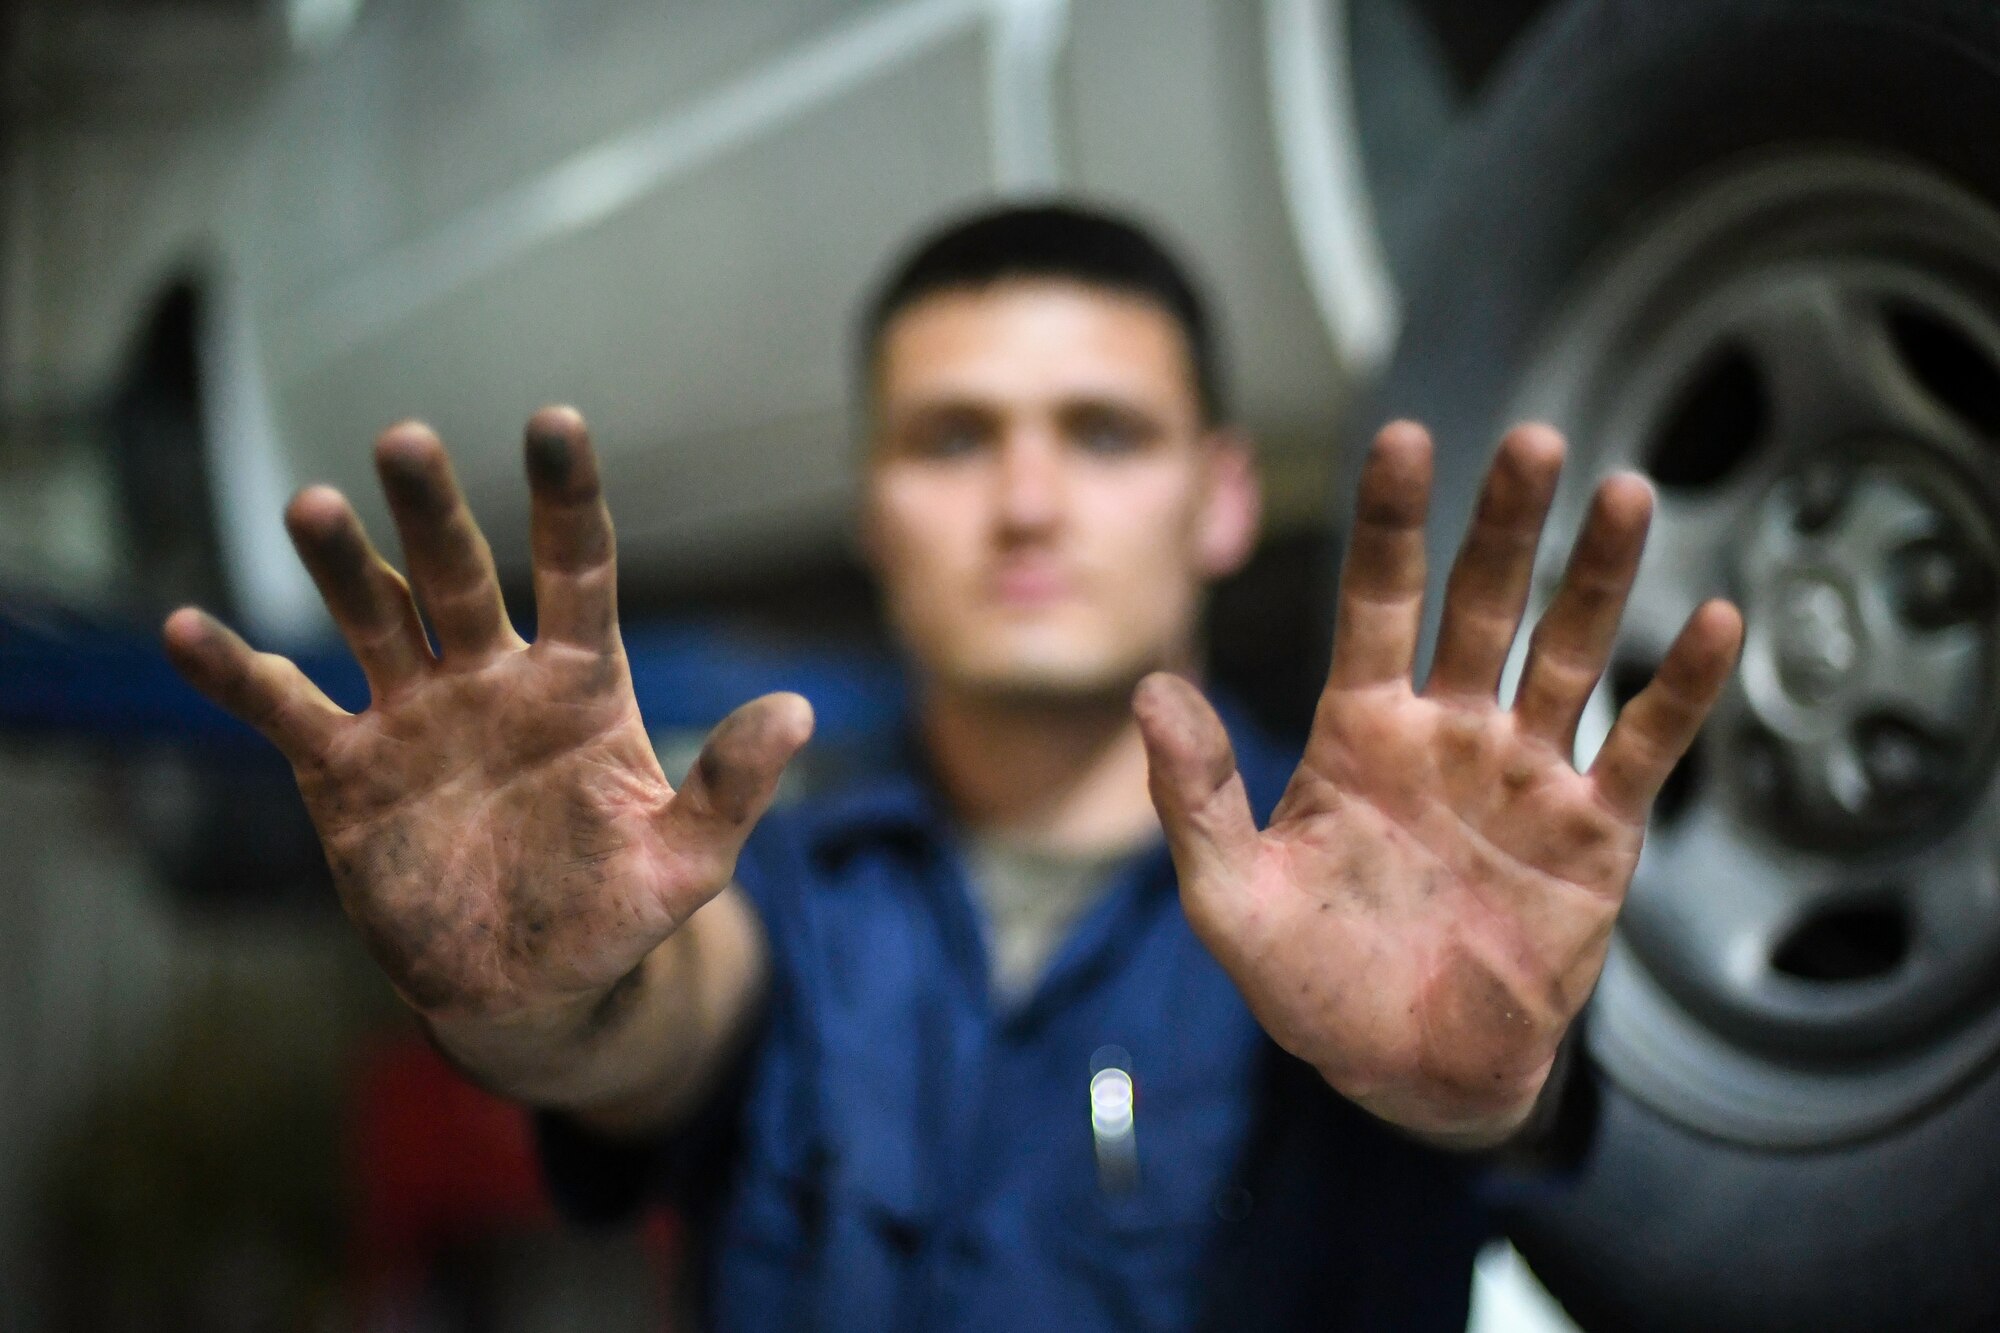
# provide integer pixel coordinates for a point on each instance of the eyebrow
(1096, 405)
(960, 402)
(946, 408)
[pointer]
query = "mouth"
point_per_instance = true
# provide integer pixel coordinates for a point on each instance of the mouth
(1028, 585)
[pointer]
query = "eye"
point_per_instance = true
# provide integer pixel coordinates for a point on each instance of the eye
(947, 444)
(947, 436)
(1109, 432)
(1110, 438)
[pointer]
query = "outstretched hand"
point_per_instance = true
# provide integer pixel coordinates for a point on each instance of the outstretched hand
(1432, 901)
(496, 821)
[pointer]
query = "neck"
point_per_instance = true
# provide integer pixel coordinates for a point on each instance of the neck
(1060, 774)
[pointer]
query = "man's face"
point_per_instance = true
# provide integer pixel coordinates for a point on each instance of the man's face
(1043, 503)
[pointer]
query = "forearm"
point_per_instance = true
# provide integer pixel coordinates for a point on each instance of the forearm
(639, 1056)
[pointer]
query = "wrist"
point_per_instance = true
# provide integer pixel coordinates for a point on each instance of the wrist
(565, 1052)
(1486, 1134)
(1457, 1118)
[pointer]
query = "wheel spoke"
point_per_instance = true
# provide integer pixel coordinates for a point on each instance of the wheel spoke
(1718, 894)
(1929, 676)
(1812, 344)
(1831, 366)
(1877, 521)
(1684, 564)
(1955, 890)
(1834, 764)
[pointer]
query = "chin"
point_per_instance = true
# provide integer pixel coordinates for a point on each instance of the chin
(1051, 678)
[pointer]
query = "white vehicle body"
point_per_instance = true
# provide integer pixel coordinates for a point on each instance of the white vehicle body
(665, 214)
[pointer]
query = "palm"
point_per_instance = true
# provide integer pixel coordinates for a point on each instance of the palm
(1516, 871)
(483, 805)
(1431, 902)
(496, 822)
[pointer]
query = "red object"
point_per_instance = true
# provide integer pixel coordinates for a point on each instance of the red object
(437, 1163)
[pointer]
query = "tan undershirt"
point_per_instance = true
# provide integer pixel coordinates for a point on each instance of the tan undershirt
(1030, 899)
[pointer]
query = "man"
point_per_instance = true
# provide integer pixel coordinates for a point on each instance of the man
(946, 1050)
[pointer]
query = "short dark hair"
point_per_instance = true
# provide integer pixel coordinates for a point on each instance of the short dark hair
(1062, 241)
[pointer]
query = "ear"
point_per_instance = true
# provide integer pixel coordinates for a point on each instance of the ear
(1232, 509)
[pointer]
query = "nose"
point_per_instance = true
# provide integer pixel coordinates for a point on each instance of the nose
(1030, 482)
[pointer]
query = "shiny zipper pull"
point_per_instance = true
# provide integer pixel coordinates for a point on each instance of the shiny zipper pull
(1114, 1120)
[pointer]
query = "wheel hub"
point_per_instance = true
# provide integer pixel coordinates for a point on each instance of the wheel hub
(1866, 650)
(1817, 635)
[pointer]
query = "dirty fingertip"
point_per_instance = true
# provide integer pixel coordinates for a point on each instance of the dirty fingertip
(1536, 438)
(556, 419)
(1721, 622)
(407, 451)
(1174, 714)
(797, 713)
(410, 432)
(558, 454)
(1721, 615)
(1627, 494)
(316, 511)
(184, 628)
(771, 725)
(1159, 699)
(199, 645)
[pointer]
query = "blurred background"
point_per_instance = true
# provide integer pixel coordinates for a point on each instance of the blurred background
(1748, 246)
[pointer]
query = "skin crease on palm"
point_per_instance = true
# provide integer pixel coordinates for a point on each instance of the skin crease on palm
(1044, 506)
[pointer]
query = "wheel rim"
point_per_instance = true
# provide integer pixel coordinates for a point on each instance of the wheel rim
(1804, 353)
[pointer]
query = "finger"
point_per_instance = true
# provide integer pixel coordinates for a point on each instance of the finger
(450, 563)
(1382, 584)
(1657, 727)
(570, 532)
(263, 689)
(1572, 644)
(370, 601)
(733, 779)
(1191, 770)
(1488, 587)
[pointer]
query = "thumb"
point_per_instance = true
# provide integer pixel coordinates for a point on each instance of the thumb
(733, 779)
(1196, 788)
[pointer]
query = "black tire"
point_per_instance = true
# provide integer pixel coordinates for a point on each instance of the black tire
(1608, 109)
